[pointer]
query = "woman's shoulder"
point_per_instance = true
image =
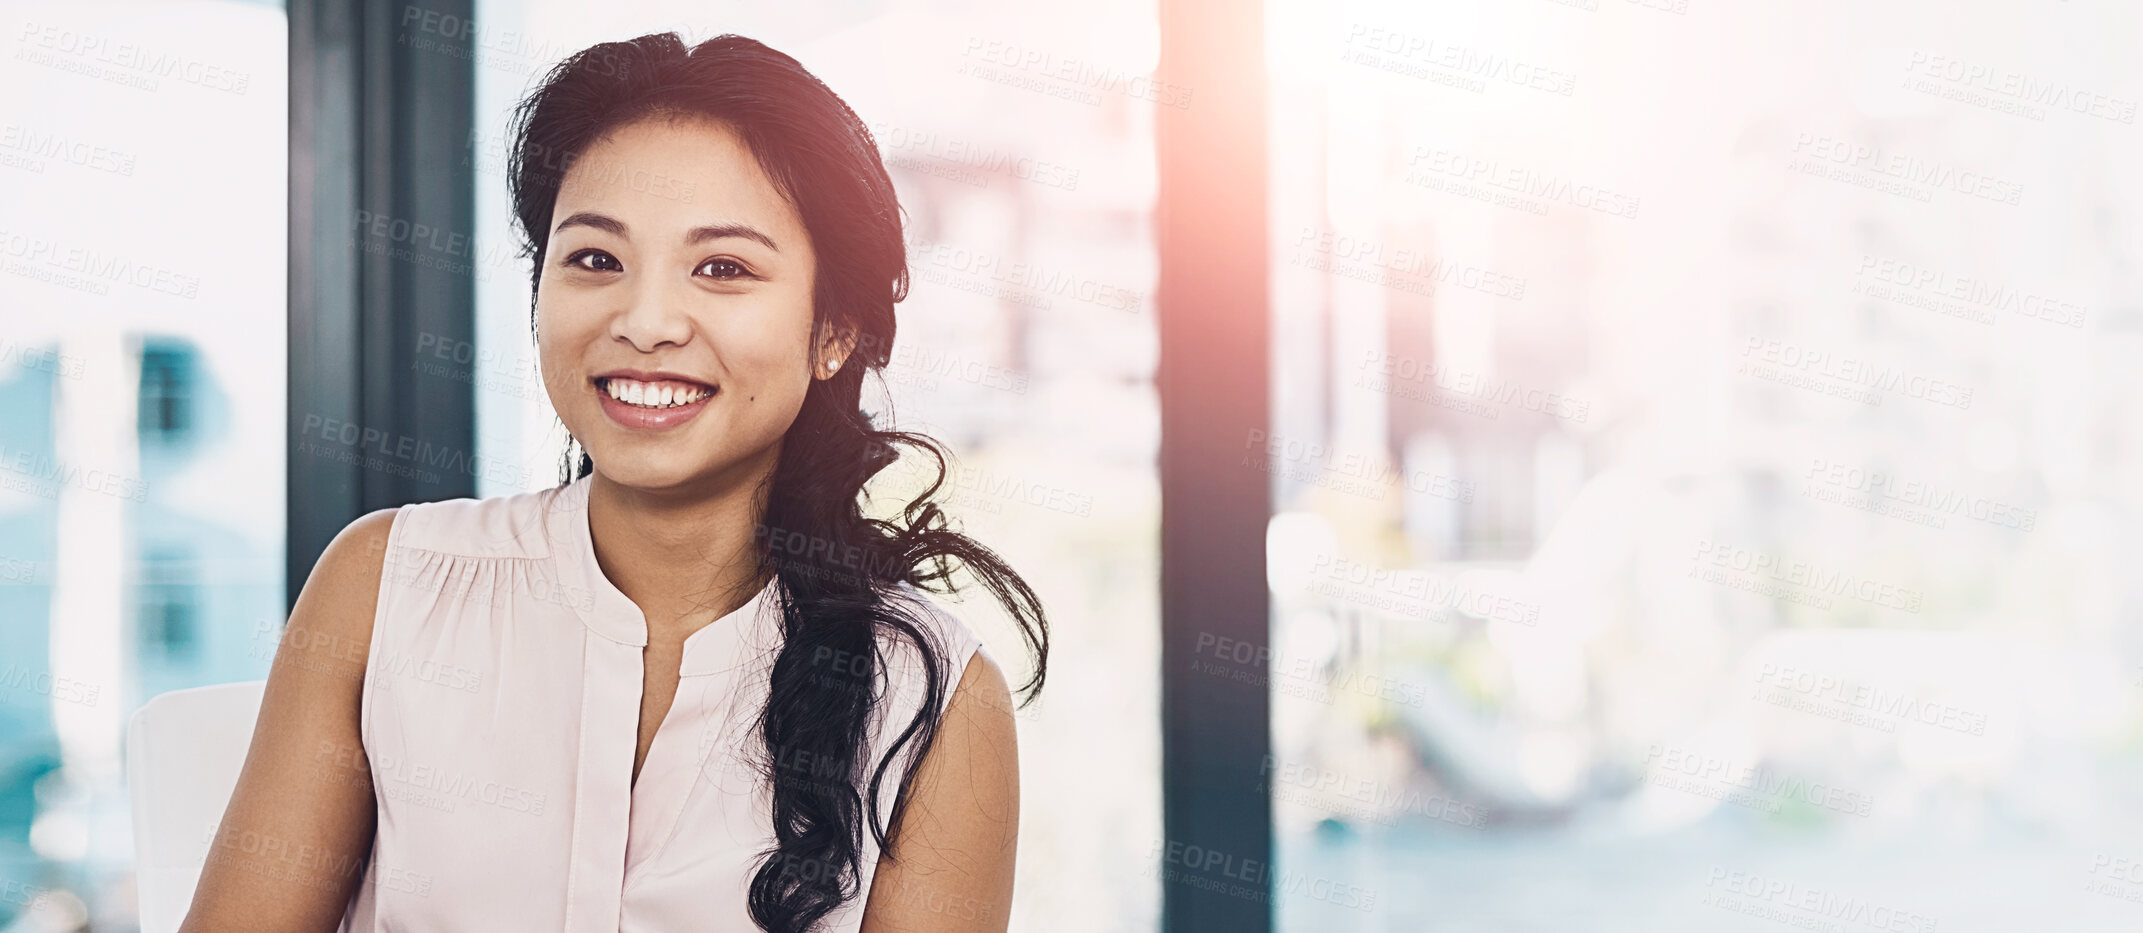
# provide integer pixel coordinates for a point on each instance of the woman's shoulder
(355, 556)
(334, 609)
(948, 634)
(954, 645)
(972, 696)
(516, 525)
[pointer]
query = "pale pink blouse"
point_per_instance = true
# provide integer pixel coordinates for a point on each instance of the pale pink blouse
(500, 714)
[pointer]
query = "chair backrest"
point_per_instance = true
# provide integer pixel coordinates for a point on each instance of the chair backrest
(184, 752)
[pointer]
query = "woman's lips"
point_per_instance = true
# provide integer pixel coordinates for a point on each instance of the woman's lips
(638, 417)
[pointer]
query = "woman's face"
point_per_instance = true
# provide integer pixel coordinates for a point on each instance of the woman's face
(674, 310)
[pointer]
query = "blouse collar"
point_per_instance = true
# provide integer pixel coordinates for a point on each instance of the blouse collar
(609, 613)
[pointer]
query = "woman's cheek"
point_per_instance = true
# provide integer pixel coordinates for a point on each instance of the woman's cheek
(771, 401)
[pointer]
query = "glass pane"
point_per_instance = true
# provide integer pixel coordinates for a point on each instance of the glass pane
(1021, 144)
(1709, 433)
(142, 165)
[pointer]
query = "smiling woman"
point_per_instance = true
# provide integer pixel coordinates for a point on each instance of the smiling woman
(634, 276)
(703, 689)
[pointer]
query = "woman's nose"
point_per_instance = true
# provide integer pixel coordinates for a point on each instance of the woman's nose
(654, 314)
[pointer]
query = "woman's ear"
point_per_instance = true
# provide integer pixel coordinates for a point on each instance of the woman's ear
(834, 349)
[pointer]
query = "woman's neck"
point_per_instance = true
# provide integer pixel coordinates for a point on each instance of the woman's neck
(684, 560)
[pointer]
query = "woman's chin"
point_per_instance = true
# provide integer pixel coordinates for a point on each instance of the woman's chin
(648, 471)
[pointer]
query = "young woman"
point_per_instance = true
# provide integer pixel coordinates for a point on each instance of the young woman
(694, 687)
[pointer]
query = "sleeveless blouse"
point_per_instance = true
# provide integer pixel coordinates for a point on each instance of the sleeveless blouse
(501, 708)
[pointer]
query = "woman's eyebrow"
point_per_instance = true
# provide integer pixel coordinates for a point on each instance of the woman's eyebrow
(616, 227)
(603, 222)
(720, 231)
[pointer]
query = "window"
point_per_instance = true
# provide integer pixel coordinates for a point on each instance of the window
(166, 411)
(1741, 532)
(142, 449)
(167, 608)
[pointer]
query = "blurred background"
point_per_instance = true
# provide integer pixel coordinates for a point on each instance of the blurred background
(1695, 444)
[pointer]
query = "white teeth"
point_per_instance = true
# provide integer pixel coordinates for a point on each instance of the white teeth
(652, 394)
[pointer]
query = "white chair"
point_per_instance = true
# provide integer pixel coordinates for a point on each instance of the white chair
(184, 750)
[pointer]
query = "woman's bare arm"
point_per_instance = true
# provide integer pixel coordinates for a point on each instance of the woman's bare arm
(293, 842)
(952, 864)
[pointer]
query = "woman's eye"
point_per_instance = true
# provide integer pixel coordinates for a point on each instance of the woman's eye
(722, 269)
(594, 260)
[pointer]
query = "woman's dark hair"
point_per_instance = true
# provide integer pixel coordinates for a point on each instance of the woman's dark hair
(840, 569)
